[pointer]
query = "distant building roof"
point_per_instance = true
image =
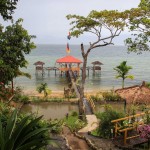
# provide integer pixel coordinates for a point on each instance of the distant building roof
(97, 63)
(39, 63)
(68, 59)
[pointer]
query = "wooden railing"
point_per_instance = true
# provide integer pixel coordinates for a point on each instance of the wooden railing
(72, 68)
(129, 126)
(91, 104)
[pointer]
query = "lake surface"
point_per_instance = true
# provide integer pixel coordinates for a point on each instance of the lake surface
(59, 110)
(110, 56)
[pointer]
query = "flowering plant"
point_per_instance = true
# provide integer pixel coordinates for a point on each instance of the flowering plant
(144, 131)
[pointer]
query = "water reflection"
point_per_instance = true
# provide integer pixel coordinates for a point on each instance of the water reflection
(59, 110)
(50, 110)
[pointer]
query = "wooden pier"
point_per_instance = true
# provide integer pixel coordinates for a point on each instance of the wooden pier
(65, 64)
(69, 66)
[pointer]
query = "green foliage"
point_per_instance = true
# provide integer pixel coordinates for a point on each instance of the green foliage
(7, 8)
(95, 132)
(52, 99)
(20, 97)
(105, 125)
(23, 134)
(147, 117)
(123, 71)
(95, 23)
(43, 88)
(74, 113)
(56, 126)
(111, 96)
(148, 84)
(73, 95)
(96, 98)
(4, 93)
(139, 24)
(15, 42)
(73, 122)
(4, 109)
(97, 19)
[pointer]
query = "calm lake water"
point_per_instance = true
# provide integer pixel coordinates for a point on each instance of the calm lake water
(59, 110)
(110, 56)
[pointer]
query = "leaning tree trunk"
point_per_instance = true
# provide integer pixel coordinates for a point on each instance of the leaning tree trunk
(81, 110)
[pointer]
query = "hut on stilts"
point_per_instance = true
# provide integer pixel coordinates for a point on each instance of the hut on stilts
(96, 66)
(39, 67)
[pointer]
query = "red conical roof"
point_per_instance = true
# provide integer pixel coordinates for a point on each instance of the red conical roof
(68, 59)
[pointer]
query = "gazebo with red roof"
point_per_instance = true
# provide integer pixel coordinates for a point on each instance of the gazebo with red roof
(68, 62)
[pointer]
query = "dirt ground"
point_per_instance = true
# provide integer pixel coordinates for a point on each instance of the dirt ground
(59, 143)
(74, 142)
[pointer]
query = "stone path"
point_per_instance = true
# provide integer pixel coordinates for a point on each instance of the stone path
(92, 124)
(74, 142)
(59, 143)
(101, 143)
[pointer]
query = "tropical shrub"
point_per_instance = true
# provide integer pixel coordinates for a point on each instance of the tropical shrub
(43, 87)
(96, 98)
(51, 99)
(74, 113)
(22, 133)
(111, 96)
(56, 126)
(105, 125)
(73, 95)
(148, 84)
(21, 98)
(4, 110)
(73, 122)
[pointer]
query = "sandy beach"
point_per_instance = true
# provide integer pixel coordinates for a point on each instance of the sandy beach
(59, 93)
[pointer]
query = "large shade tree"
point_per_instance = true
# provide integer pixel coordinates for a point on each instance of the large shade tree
(15, 42)
(105, 26)
(7, 8)
(139, 24)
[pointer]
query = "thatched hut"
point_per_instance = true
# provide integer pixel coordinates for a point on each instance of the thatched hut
(96, 66)
(39, 66)
(135, 94)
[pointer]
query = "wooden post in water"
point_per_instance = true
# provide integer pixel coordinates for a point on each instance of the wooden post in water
(94, 69)
(88, 70)
(55, 71)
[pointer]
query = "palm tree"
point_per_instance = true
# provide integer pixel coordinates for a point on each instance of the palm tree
(43, 88)
(123, 71)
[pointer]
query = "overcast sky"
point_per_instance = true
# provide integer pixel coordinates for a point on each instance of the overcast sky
(47, 18)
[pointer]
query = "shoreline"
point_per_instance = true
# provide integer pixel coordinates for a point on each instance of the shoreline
(59, 93)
